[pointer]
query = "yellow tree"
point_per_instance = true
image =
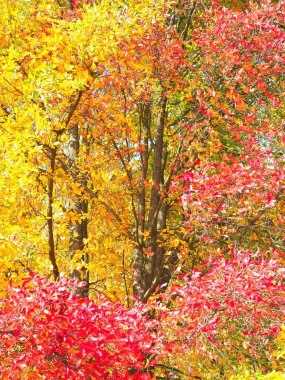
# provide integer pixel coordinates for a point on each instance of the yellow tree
(105, 106)
(53, 60)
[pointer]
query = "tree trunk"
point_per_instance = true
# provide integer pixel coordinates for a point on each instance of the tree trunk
(78, 228)
(149, 256)
(50, 190)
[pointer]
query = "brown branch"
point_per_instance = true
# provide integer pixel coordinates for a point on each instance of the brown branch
(154, 283)
(41, 104)
(52, 256)
(73, 108)
(125, 280)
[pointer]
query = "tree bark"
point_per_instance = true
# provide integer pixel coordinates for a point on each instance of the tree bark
(79, 228)
(148, 254)
(50, 190)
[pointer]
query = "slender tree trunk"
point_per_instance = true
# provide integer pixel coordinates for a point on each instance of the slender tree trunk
(149, 255)
(50, 190)
(79, 228)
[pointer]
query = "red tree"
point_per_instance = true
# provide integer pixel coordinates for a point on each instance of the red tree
(225, 314)
(237, 200)
(48, 332)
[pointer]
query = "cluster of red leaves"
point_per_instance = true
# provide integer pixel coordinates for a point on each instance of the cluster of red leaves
(230, 310)
(243, 63)
(78, 3)
(255, 36)
(234, 195)
(48, 332)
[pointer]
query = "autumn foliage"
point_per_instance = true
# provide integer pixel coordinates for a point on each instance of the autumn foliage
(142, 188)
(47, 332)
(225, 315)
(236, 200)
(221, 317)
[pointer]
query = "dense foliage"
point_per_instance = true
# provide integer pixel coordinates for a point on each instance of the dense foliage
(48, 332)
(225, 317)
(142, 157)
(213, 322)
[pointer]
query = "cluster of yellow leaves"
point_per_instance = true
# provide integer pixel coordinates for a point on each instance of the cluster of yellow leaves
(48, 55)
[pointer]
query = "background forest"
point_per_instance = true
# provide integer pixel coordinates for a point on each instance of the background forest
(142, 184)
